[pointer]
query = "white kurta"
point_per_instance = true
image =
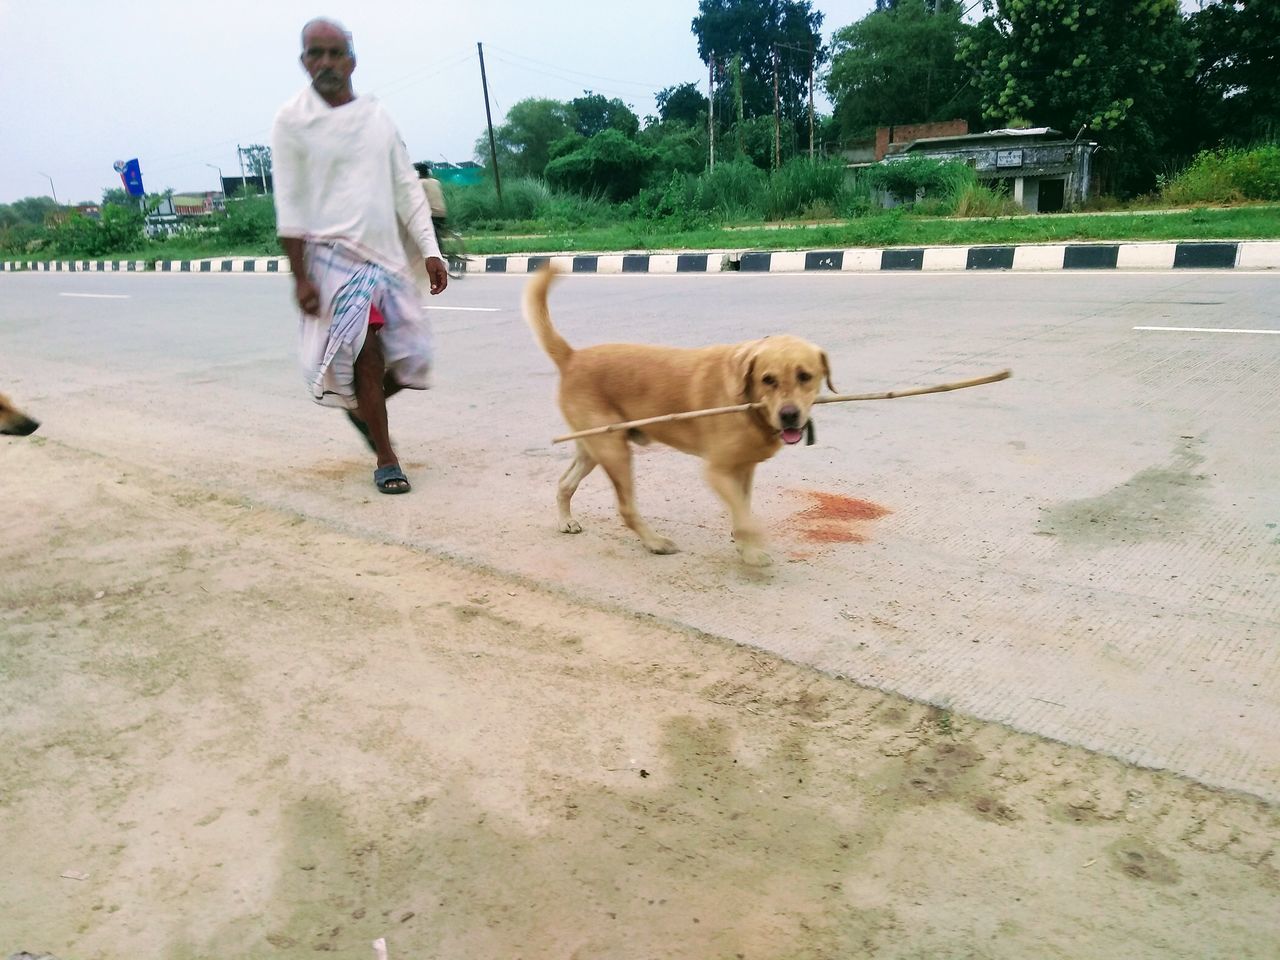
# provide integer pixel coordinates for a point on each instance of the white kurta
(342, 174)
(344, 185)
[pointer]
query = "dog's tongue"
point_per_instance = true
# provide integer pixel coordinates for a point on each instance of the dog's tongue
(792, 435)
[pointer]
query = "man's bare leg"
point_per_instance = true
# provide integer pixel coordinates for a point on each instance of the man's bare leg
(371, 400)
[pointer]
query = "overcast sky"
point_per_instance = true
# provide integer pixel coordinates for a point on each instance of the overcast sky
(178, 84)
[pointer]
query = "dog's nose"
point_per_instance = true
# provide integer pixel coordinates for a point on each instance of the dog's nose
(789, 415)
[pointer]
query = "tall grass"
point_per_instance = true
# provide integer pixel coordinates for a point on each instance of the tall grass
(526, 202)
(807, 189)
(732, 191)
(976, 200)
(1227, 176)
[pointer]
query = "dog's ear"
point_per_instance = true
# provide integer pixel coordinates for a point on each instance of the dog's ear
(826, 372)
(742, 369)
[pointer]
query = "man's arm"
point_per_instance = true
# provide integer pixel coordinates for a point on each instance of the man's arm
(414, 212)
(289, 180)
(304, 290)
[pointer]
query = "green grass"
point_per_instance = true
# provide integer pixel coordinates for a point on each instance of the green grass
(877, 229)
(887, 229)
(896, 229)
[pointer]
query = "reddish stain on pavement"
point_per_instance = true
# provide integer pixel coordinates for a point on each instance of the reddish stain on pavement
(831, 533)
(834, 518)
(833, 506)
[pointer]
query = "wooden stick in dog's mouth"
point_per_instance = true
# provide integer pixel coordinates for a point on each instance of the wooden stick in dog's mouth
(742, 407)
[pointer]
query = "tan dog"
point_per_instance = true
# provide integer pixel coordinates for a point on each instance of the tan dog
(14, 421)
(616, 382)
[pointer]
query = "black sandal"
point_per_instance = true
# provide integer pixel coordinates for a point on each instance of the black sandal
(391, 479)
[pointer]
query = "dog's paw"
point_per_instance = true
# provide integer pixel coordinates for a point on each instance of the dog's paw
(661, 546)
(570, 526)
(755, 557)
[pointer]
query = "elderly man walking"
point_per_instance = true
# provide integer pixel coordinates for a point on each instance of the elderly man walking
(358, 234)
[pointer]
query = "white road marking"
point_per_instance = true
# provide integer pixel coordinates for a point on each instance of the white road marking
(97, 296)
(1206, 330)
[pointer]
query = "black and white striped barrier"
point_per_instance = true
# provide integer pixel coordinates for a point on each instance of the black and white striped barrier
(1227, 255)
(77, 266)
(1197, 255)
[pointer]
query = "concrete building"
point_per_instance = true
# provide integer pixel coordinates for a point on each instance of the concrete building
(874, 148)
(1040, 168)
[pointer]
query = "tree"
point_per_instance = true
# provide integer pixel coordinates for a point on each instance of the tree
(594, 114)
(899, 66)
(608, 165)
(682, 104)
(762, 31)
(118, 196)
(524, 140)
(29, 210)
(1239, 67)
(677, 148)
(257, 158)
(1119, 69)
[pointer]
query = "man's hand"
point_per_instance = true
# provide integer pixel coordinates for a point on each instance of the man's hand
(308, 296)
(438, 274)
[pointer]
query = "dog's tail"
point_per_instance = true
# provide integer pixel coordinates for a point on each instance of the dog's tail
(539, 317)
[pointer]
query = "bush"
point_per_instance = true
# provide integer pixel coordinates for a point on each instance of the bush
(116, 228)
(914, 177)
(607, 165)
(684, 151)
(20, 239)
(675, 203)
(1227, 176)
(249, 221)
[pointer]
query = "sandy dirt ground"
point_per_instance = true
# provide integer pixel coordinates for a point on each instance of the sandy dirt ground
(233, 732)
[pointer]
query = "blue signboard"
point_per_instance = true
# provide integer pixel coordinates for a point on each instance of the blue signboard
(130, 176)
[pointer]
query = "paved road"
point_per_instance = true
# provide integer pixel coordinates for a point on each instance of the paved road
(1090, 551)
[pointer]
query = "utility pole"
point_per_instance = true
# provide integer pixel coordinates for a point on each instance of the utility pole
(813, 55)
(711, 109)
(488, 116)
(220, 186)
(244, 186)
(736, 65)
(51, 189)
(777, 117)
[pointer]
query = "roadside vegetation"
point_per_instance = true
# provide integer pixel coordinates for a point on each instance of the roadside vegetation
(1225, 194)
(1184, 109)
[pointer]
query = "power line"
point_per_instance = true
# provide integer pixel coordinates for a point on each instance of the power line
(648, 85)
(411, 79)
(577, 82)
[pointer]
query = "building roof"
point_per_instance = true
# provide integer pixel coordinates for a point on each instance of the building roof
(1045, 133)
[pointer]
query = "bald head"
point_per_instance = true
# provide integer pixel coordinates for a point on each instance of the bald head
(328, 57)
(330, 28)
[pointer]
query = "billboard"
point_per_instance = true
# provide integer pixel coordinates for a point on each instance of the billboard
(130, 176)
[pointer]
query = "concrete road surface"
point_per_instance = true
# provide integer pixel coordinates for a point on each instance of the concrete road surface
(1089, 551)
